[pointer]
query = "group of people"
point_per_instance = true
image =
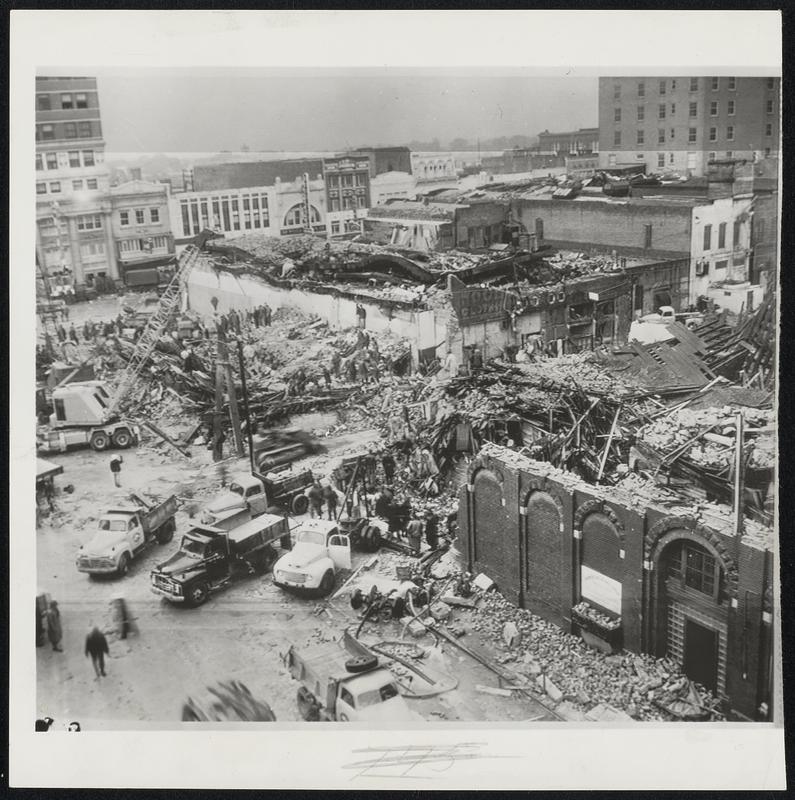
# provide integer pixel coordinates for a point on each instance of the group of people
(235, 321)
(320, 496)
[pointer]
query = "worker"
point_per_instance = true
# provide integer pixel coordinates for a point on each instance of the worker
(361, 316)
(475, 359)
(336, 363)
(388, 463)
(363, 372)
(61, 333)
(315, 496)
(414, 532)
(330, 499)
(432, 530)
(268, 313)
(326, 376)
(115, 468)
(351, 368)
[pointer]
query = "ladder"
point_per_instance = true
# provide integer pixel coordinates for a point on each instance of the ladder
(154, 328)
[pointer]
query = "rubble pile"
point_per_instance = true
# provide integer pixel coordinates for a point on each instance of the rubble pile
(640, 685)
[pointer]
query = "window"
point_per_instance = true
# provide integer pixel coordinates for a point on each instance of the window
(702, 268)
(88, 158)
(729, 153)
(641, 113)
(616, 91)
(662, 87)
(670, 158)
(767, 152)
(693, 112)
(124, 218)
(235, 214)
(185, 219)
(730, 133)
(41, 188)
(647, 236)
(640, 137)
(70, 130)
(759, 230)
(660, 159)
(66, 101)
(617, 138)
(736, 233)
(721, 235)
(661, 111)
(55, 187)
(81, 101)
(39, 162)
(616, 115)
(707, 237)
(712, 156)
(715, 84)
(85, 130)
(691, 135)
(293, 216)
(90, 222)
(713, 134)
(713, 108)
(74, 158)
(673, 84)
(699, 569)
(641, 89)
(771, 82)
(91, 183)
(723, 265)
(730, 108)
(45, 131)
(77, 186)
(335, 203)
(52, 160)
(95, 248)
(732, 84)
(661, 136)
(673, 109)
(769, 129)
(43, 102)
(160, 242)
(673, 133)
(154, 215)
(346, 697)
(335, 227)
(130, 246)
(694, 84)
(139, 216)
(769, 107)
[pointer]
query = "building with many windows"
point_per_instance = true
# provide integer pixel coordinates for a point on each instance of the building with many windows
(73, 234)
(680, 124)
(141, 228)
(579, 142)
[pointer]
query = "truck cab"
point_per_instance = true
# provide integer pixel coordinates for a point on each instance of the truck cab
(244, 492)
(319, 551)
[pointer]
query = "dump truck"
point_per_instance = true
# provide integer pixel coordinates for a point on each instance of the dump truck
(210, 558)
(320, 550)
(340, 686)
(259, 493)
(81, 419)
(124, 532)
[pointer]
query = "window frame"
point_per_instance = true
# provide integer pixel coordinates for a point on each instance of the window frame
(90, 181)
(661, 87)
(692, 109)
(640, 136)
(715, 83)
(714, 108)
(731, 107)
(154, 215)
(41, 187)
(91, 161)
(641, 88)
(732, 84)
(140, 216)
(692, 135)
(642, 113)
(124, 219)
(706, 239)
(730, 133)
(55, 187)
(713, 134)
(67, 101)
(70, 130)
(693, 85)
(617, 114)
(616, 138)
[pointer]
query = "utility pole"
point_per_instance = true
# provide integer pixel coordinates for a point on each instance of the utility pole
(244, 385)
(218, 414)
(234, 415)
(739, 478)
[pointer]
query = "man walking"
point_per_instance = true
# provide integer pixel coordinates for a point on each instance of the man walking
(388, 463)
(330, 497)
(115, 468)
(315, 496)
(97, 648)
(54, 630)
(414, 533)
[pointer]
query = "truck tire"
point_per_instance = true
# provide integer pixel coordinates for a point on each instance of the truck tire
(165, 533)
(100, 441)
(327, 584)
(372, 538)
(197, 594)
(124, 565)
(122, 439)
(299, 504)
(361, 664)
(307, 707)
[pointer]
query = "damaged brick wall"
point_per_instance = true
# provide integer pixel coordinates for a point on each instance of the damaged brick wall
(540, 537)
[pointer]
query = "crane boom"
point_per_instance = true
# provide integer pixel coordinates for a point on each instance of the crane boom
(154, 328)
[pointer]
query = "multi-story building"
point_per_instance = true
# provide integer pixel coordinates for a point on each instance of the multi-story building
(384, 159)
(72, 206)
(582, 141)
(141, 227)
(347, 179)
(681, 123)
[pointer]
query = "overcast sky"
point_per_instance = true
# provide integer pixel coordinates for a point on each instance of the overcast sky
(180, 112)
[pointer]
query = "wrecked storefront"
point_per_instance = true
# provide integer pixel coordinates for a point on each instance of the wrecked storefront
(627, 571)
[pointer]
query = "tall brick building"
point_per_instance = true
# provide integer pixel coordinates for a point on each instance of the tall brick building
(674, 585)
(681, 123)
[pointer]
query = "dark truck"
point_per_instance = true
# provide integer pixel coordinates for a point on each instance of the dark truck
(209, 558)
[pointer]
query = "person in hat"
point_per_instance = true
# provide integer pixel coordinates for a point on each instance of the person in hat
(414, 534)
(54, 629)
(431, 530)
(115, 468)
(97, 648)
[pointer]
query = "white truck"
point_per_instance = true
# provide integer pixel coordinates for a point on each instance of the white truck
(319, 551)
(81, 419)
(340, 685)
(123, 533)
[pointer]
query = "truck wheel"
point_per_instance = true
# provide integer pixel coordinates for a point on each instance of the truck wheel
(372, 538)
(122, 439)
(361, 664)
(166, 532)
(299, 504)
(197, 594)
(124, 565)
(327, 584)
(100, 441)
